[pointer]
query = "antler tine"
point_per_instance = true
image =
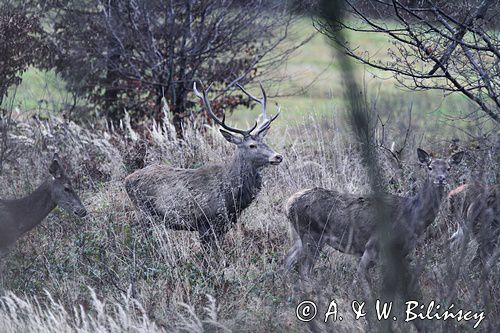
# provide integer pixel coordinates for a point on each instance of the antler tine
(262, 101)
(269, 121)
(258, 100)
(206, 101)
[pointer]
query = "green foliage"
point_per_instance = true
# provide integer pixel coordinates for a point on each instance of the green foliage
(20, 46)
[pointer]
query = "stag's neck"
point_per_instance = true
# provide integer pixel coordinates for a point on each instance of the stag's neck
(31, 210)
(245, 182)
(426, 205)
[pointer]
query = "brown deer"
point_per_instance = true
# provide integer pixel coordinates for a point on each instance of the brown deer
(19, 216)
(477, 207)
(347, 222)
(211, 198)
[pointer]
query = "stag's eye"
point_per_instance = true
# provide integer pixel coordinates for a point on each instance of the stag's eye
(67, 189)
(253, 145)
(430, 168)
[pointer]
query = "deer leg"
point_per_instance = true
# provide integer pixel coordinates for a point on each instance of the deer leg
(208, 238)
(487, 241)
(294, 253)
(310, 250)
(209, 248)
(363, 267)
(292, 256)
(367, 261)
(212, 234)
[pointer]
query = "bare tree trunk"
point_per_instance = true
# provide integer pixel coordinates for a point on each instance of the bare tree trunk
(5, 122)
(180, 112)
(112, 75)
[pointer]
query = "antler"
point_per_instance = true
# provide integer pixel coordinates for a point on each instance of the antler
(263, 101)
(222, 123)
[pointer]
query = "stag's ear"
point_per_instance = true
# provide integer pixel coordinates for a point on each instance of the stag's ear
(55, 169)
(423, 156)
(456, 158)
(231, 138)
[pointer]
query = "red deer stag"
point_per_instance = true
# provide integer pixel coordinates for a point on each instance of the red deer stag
(211, 198)
(19, 216)
(347, 222)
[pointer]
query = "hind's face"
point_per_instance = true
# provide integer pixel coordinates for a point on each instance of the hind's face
(66, 197)
(438, 169)
(62, 191)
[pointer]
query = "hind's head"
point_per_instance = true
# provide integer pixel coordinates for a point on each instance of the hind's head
(438, 168)
(62, 190)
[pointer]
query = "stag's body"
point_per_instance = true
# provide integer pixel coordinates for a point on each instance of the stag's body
(477, 207)
(196, 199)
(211, 198)
(19, 216)
(348, 222)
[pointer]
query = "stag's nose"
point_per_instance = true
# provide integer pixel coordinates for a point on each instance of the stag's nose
(276, 159)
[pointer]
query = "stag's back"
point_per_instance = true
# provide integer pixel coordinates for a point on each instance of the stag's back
(179, 196)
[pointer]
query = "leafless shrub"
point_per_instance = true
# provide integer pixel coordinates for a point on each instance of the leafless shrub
(135, 54)
(436, 45)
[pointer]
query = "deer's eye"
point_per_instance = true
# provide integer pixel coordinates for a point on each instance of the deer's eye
(253, 145)
(430, 168)
(67, 189)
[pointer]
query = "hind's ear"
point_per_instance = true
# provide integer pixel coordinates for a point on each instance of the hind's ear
(55, 169)
(423, 156)
(456, 158)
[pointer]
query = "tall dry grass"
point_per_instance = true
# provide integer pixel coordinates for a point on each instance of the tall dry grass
(146, 278)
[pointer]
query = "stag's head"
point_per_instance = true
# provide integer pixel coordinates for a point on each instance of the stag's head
(250, 142)
(438, 168)
(62, 191)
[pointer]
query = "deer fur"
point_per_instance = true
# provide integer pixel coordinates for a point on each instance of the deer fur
(347, 222)
(477, 208)
(19, 216)
(211, 198)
